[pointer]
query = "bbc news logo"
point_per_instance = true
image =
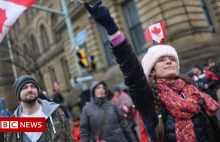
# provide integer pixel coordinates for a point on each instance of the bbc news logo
(32, 124)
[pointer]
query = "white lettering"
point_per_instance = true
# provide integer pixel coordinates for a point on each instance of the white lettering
(34, 124)
(14, 124)
(5, 125)
(22, 125)
(39, 124)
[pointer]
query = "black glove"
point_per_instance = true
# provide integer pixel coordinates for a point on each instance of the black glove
(101, 15)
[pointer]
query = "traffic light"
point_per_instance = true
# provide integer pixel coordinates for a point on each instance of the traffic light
(83, 61)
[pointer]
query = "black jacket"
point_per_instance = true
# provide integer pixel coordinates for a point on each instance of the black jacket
(142, 96)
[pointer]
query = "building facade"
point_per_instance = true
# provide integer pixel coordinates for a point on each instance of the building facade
(193, 28)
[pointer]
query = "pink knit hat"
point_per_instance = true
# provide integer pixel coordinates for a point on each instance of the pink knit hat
(156, 52)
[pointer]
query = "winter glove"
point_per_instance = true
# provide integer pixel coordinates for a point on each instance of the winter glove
(101, 15)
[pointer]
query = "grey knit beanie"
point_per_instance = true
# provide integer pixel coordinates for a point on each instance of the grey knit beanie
(21, 81)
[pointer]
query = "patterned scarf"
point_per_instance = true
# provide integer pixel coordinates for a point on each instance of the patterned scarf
(184, 108)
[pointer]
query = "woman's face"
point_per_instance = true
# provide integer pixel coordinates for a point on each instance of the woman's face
(165, 68)
(100, 91)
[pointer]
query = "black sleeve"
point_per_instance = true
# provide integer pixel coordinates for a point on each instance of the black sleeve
(213, 83)
(138, 87)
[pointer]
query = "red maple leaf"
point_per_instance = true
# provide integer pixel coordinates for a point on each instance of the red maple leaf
(156, 31)
(3, 18)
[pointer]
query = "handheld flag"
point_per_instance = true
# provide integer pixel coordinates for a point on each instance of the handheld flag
(156, 32)
(10, 10)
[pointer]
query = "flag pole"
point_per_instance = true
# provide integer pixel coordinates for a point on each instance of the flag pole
(163, 40)
(11, 56)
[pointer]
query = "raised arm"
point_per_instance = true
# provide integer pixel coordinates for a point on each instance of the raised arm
(134, 76)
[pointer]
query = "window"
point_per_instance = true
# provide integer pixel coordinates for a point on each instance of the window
(106, 46)
(208, 17)
(34, 45)
(44, 38)
(134, 25)
(66, 71)
(52, 75)
(53, 19)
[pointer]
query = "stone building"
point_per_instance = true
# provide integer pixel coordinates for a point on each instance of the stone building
(193, 28)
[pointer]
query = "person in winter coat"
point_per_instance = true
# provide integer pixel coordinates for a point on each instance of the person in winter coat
(57, 127)
(124, 102)
(213, 67)
(83, 99)
(206, 80)
(116, 127)
(57, 97)
(172, 109)
(42, 96)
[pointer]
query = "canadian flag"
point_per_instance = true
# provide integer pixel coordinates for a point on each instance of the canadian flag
(10, 10)
(156, 32)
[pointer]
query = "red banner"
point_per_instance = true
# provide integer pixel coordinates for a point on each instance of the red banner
(30, 124)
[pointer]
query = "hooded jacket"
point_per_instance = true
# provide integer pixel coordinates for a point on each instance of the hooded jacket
(57, 126)
(142, 97)
(116, 127)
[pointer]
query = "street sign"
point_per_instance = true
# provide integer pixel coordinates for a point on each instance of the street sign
(78, 80)
(81, 37)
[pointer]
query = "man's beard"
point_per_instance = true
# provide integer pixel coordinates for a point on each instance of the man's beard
(30, 101)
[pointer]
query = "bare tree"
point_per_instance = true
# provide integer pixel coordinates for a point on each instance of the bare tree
(25, 60)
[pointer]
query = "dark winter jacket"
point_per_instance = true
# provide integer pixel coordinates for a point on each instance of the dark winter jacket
(142, 96)
(58, 98)
(208, 78)
(57, 126)
(215, 70)
(116, 127)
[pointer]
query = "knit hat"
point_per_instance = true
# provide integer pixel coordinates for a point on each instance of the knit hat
(21, 81)
(117, 89)
(156, 52)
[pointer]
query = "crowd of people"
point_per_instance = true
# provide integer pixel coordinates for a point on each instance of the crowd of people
(169, 106)
(206, 78)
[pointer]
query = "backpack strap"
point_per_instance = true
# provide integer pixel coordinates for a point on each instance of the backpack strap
(101, 134)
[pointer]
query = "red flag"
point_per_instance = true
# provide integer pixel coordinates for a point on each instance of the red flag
(10, 10)
(156, 32)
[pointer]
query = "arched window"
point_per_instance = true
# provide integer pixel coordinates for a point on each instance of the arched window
(34, 46)
(44, 38)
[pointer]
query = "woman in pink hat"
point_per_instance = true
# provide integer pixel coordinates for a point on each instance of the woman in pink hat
(172, 109)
